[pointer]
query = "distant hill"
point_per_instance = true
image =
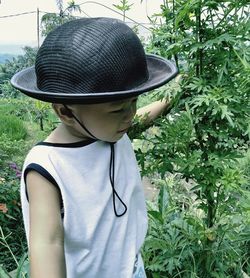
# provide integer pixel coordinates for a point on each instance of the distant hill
(14, 49)
(5, 57)
(8, 51)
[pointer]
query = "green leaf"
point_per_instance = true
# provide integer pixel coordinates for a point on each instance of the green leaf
(4, 273)
(23, 266)
(162, 200)
(247, 132)
(156, 215)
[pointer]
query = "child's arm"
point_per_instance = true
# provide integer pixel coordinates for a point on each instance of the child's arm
(146, 115)
(46, 238)
(150, 112)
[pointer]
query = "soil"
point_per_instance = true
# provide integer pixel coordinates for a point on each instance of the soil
(150, 190)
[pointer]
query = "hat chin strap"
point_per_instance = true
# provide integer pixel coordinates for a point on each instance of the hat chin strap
(111, 166)
(112, 182)
(81, 124)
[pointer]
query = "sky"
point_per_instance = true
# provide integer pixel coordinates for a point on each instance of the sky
(23, 29)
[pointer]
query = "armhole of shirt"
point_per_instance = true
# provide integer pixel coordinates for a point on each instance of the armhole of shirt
(43, 172)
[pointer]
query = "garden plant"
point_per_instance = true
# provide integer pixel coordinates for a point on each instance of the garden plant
(201, 229)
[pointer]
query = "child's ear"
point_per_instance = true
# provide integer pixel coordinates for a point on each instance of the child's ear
(63, 113)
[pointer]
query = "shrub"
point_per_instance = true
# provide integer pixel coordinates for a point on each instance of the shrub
(202, 140)
(12, 238)
(179, 243)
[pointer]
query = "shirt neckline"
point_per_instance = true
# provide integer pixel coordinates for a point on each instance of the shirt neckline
(67, 145)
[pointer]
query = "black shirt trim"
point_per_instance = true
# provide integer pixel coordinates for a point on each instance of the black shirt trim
(67, 145)
(43, 172)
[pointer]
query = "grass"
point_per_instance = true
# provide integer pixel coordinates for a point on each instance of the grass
(12, 127)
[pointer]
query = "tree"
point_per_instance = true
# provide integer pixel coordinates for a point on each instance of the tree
(8, 69)
(52, 20)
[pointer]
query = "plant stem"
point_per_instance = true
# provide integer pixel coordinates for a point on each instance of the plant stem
(210, 207)
(208, 193)
(166, 3)
(5, 243)
(40, 117)
(225, 16)
(174, 32)
(212, 20)
(198, 40)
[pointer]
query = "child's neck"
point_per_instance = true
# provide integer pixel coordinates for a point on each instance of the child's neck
(64, 135)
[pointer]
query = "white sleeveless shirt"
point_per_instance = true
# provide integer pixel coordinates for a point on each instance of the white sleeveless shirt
(97, 243)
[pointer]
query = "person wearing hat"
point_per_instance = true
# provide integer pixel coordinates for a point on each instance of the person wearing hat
(82, 198)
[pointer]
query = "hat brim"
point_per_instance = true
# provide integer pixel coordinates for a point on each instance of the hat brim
(160, 72)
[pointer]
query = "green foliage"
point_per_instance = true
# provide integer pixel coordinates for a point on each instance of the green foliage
(30, 110)
(22, 270)
(124, 7)
(12, 237)
(21, 61)
(8, 69)
(42, 111)
(12, 128)
(17, 107)
(23, 267)
(52, 20)
(202, 34)
(7, 90)
(4, 273)
(24, 111)
(203, 137)
(179, 243)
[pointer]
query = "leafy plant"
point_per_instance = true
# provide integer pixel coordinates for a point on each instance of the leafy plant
(12, 239)
(22, 270)
(124, 7)
(206, 132)
(42, 109)
(179, 243)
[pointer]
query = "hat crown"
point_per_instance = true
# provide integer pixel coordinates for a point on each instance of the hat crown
(91, 55)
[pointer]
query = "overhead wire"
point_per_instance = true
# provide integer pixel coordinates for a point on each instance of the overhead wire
(86, 2)
(12, 15)
(113, 10)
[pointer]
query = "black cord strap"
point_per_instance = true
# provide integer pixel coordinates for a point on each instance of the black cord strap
(111, 167)
(111, 177)
(81, 124)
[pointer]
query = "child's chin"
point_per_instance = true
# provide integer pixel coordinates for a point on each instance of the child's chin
(115, 138)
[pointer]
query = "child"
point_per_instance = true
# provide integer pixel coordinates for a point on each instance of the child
(82, 199)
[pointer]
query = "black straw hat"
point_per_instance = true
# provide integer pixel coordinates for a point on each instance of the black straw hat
(92, 60)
